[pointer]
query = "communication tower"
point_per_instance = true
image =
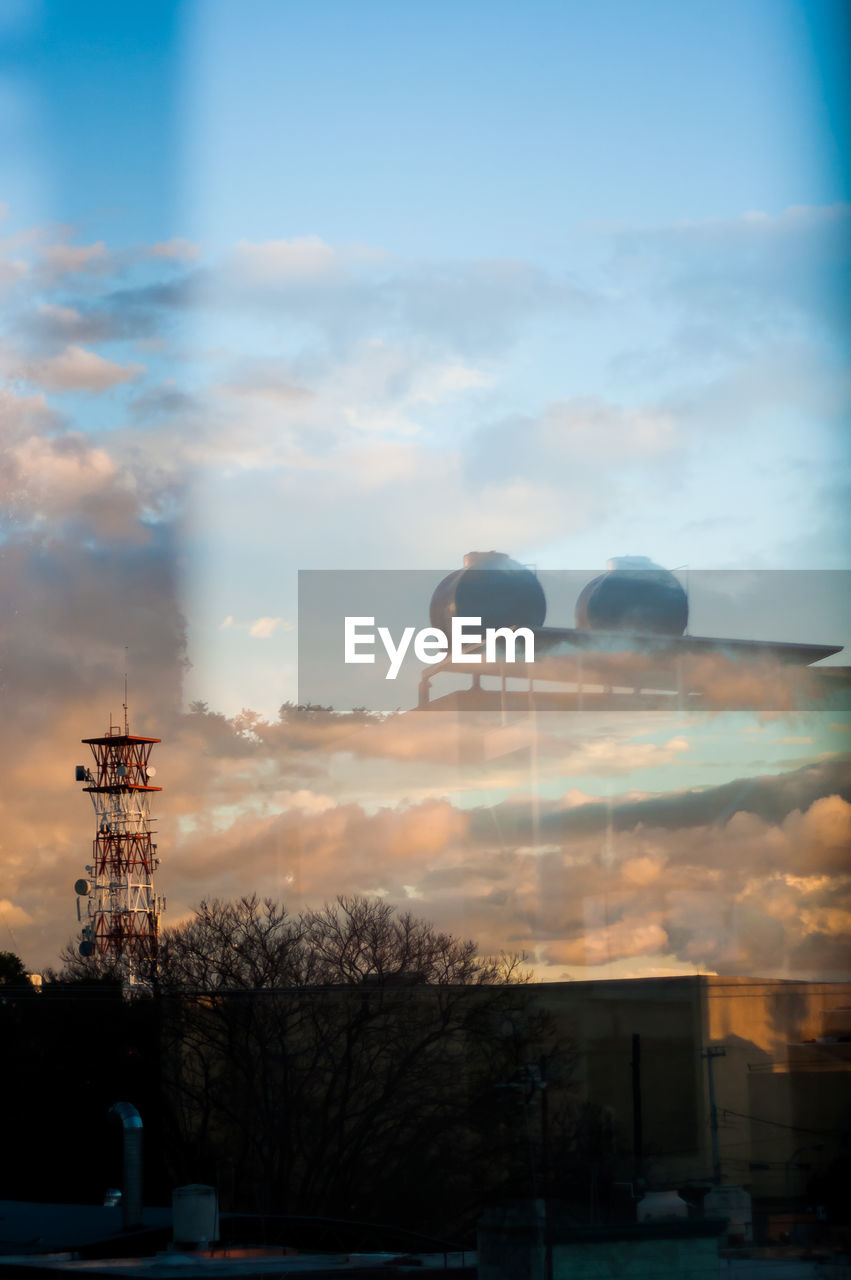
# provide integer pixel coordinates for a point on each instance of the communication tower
(122, 909)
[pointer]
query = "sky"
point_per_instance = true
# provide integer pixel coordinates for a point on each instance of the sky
(297, 286)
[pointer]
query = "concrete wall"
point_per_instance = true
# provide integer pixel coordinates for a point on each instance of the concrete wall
(690, 1259)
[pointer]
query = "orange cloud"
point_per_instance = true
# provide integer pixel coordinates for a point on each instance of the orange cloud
(69, 259)
(77, 369)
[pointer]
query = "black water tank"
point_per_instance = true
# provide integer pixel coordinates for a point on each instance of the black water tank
(493, 587)
(634, 595)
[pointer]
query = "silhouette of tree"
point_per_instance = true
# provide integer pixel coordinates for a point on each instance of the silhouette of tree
(341, 1061)
(78, 969)
(251, 944)
(351, 1060)
(12, 971)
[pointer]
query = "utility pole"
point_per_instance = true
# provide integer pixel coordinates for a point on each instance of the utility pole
(710, 1053)
(637, 1131)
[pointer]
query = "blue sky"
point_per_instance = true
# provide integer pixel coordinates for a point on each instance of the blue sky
(474, 130)
(369, 285)
(491, 129)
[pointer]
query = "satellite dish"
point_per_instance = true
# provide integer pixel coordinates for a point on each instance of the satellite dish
(87, 948)
(82, 887)
(121, 771)
(151, 771)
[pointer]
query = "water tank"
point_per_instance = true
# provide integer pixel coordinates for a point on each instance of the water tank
(734, 1204)
(493, 587)
(633, 595)
(661, 1206)
(195, 1214)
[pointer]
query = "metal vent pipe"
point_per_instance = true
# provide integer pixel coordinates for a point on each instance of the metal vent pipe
(131, 1198)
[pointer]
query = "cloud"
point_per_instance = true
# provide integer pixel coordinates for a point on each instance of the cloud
(69, 259)
(263, 628)
(334, 299)
(272, 262)
(60, 320)
(258, 381)
(77, 369)
(627, 939)
(177, 249)
(12, 914)
(739, 878)
(46, 472)
(23, 416)
(771, 799)
(78, 590)
(320, 845)
(365, 385)
(566, 444)
(737, 892)
(58, 473)
(767, 271)
(822, 836)
(160, 297)
(12, 271)
(57, 478)
(51, 324)
(347, 291)
(166, 401)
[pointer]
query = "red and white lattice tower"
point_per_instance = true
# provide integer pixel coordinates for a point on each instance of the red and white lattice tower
(121, 903)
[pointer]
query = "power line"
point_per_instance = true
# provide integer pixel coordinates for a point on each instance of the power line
(778, 1124)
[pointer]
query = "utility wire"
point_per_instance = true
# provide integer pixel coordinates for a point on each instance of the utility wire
(778, 1124)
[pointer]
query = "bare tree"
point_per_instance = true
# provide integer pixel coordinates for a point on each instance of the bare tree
(234, 946)
(78, 968)
(360, 939)
(342, 1061)
(348, 1060)
(247, 945)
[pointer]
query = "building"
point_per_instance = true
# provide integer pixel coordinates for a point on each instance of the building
(708, 1080)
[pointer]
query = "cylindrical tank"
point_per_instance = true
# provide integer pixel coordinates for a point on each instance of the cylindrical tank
(661, 1206)
(734, 1204)
(633, 595)
(493, 587)
(195, 1215)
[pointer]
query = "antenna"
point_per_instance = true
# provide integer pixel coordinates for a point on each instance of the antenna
(126, 721)
(117, 898)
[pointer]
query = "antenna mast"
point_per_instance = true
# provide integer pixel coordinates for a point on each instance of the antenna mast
(126, 721)
(122, 908)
